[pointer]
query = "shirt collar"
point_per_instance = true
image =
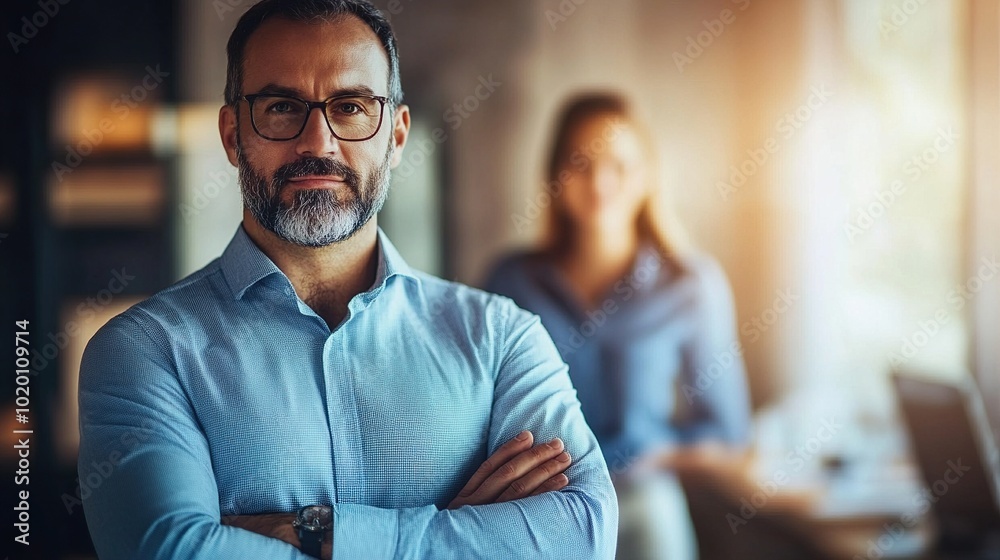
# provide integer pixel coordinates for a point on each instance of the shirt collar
(390, 262)
(244, 264)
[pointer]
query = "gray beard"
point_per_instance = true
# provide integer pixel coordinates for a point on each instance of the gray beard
(315, 218)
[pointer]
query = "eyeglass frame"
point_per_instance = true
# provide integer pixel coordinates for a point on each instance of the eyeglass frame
(310, 105)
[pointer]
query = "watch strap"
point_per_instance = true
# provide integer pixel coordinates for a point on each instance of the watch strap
(311, 542)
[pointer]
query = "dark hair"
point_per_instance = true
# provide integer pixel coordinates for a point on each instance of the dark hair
(308, 11)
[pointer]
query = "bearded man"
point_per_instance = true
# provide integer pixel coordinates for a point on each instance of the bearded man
(307, 394)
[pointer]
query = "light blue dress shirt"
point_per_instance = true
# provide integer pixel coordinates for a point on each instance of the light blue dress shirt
(225, 394)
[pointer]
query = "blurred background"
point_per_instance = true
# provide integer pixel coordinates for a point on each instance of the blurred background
(839, 157)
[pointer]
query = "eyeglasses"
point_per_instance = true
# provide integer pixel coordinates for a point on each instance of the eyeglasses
(352, 118)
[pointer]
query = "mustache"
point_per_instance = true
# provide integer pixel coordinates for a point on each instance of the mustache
(315, 166)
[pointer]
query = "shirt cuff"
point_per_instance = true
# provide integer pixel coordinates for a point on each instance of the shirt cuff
(361, 531)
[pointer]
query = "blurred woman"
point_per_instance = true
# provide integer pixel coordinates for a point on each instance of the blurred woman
(646, 327)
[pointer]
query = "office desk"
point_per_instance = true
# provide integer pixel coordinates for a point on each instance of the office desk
(745, 507)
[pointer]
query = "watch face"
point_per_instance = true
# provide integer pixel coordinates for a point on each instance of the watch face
(315, 518)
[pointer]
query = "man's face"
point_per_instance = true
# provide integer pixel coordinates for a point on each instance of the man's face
(313, 190)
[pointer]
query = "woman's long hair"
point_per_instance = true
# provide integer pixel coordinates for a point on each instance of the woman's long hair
(666, 236)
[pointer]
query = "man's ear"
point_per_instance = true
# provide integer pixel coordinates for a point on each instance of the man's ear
(400, 132)
(228, 131)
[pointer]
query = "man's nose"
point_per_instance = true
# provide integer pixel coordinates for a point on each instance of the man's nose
(317, 138)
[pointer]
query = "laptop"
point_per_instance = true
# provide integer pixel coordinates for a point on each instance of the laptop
(956, 453)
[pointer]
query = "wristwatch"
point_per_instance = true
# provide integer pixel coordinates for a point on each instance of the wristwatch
(312, 523)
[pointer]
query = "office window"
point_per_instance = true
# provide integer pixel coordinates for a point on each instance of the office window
(902, 165)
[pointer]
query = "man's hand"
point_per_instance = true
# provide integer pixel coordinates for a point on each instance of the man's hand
(274, 525)
(517, 470)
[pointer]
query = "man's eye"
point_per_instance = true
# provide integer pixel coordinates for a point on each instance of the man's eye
(349, 108)
(280, 107)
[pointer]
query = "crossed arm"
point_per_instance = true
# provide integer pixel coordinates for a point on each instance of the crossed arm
(161, 500)
(517, 470)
